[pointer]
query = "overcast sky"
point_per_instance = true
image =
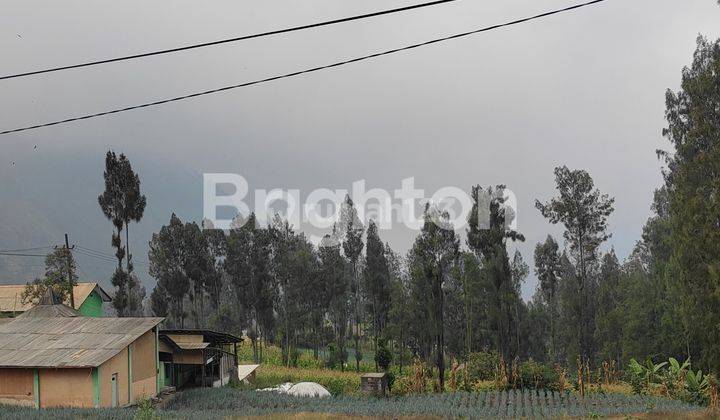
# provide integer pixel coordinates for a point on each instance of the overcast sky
(584, 89)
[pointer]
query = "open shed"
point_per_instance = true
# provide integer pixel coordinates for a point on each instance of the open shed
(197, 358)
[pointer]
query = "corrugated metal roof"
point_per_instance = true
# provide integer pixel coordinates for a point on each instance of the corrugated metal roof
(68, 342)
(191, 346)
(210, 335)
(49, 311)
(10, 296)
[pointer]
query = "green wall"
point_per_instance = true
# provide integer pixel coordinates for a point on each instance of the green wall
(92, 306)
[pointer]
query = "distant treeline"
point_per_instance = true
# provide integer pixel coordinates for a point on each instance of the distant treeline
(446, 299)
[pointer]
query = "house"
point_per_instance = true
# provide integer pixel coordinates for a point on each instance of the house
(88, 297)
(51, 356)
(196, 358)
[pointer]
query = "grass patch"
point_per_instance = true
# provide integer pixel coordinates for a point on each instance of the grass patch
(338, 383)
(272, 355)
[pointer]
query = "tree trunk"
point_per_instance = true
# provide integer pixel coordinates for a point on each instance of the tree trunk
(127, 260)
(356, 333)
(440, 333)
(581, 322)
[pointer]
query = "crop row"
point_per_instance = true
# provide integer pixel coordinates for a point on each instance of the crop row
(227, 402)
(514, 403)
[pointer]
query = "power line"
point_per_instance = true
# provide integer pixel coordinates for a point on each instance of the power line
(310, 70)
(37, 248)
(229, 40)
(104, 257)
(98, 253)
(12, 254)
(93, 251)
(87, 254)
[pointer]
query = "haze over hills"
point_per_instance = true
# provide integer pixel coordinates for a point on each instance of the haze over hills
(46, 195)
(514, 105)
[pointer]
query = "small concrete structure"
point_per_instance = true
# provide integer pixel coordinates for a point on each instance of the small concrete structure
(374, 384)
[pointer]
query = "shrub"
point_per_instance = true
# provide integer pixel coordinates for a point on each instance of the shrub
(482, 366)
(335, 358)
(145, 410)
(417, 381)
(536, 375)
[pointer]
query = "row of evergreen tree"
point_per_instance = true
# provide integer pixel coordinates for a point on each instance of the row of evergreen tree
(448, 299)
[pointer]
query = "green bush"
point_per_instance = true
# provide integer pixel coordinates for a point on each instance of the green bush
(536, 375)
(335, 357)
(482, 366)
(145, 410)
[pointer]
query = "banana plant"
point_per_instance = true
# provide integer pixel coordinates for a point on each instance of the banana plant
(697, 387)
(648, 373)
(676, 368)
(675, 375)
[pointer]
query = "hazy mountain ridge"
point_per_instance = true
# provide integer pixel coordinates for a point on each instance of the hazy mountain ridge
(45, 195)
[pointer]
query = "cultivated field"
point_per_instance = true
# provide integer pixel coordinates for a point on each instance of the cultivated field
(232, 403)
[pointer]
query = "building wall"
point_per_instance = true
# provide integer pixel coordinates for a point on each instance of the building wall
(117, 364)
(188, 357)
(66, 388)
(16, 387)
(92, 306)
(144, 366)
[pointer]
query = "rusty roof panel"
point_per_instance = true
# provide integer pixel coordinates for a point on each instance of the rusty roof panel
(68, 342)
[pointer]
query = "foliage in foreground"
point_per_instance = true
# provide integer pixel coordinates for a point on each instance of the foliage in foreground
(675, 380)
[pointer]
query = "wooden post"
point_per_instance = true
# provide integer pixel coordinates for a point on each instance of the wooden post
(70, 282)
(202, 384)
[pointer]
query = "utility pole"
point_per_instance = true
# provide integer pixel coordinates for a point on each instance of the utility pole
(69, 270)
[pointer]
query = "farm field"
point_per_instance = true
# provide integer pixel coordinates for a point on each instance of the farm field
(233, 403)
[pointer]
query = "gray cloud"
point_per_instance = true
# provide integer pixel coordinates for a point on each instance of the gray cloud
(584, 89)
